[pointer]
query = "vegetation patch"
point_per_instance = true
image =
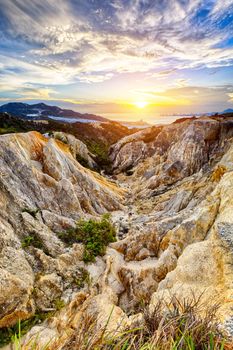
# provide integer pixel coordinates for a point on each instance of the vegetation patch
(100, 150)
(82, 161)
(8, 130)
(84, 278)
(32, 241)
(9, 124)
(95, 235)
(9, 334)
(59, 304)
(183, 326)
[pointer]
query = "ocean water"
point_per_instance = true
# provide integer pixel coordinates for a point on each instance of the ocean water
(72, 120)
(168, 119)
(161, 120)
(150, 119)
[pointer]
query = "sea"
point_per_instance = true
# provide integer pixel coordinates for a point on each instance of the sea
(160, 120)
(140, 124)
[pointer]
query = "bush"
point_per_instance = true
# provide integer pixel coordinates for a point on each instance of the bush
(95, 235)
(33, 241)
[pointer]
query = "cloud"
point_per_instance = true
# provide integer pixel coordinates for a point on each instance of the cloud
(190, 95)
(65, 42)
(181, 82)
(36, 93)
(162, 74)
(231, 97)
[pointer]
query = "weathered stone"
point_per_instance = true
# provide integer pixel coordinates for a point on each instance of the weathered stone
(77, 147)
(43, 191)
(176, 224)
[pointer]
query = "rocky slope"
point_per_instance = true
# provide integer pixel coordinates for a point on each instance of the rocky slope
(97, 136)
(173, 213)
(43, 190)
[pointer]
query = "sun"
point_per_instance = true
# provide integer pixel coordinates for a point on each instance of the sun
(141, 104)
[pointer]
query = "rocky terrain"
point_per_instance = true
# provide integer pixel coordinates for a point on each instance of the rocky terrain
(170, 196)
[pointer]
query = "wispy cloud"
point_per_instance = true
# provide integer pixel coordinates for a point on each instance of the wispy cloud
(36, 93)
(181, 82)
(190, 95)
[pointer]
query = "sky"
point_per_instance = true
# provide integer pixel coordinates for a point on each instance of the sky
(126, 60)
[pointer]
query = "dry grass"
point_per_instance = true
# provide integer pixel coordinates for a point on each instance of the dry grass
(186, 325)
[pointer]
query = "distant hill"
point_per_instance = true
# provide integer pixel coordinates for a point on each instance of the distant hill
(229, 110)
(41, 110)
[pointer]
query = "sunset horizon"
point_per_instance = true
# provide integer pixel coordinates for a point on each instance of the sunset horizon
(125, 60)
(116, 174)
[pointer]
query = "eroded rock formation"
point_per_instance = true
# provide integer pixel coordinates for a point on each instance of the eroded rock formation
(43, 190)
(173, 213)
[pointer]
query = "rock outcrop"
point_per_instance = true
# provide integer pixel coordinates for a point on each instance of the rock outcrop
(161, 156)
(78, 149)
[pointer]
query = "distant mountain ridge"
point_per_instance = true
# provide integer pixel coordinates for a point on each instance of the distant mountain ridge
(229, 110)
(42, 110)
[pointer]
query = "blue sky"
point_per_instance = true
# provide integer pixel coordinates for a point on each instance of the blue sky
(105, 56)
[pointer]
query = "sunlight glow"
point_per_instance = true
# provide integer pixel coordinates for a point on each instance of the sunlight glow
(141, 104)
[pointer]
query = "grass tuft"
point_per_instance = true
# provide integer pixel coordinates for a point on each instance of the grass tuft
(15, 333)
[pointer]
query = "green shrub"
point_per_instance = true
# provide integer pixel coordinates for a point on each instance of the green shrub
(99, 149)
(95, 235)
(8, 130)
(32, 241)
